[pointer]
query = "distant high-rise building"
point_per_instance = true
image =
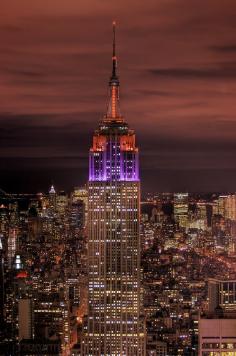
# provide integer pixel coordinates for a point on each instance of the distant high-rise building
(61, 202)
(11, 245)
(181, 209)
(79, 204)
(34, 224)
(217, 336)
(222, 293)
(52, 198)
(25, 314)
(230, 207)
(222, 205)
(80, 194)
(217, 326)
(49, 317)
(113, 323)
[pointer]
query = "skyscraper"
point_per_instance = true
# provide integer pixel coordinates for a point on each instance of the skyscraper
(217, 325)
(181, 209)
(113, 324)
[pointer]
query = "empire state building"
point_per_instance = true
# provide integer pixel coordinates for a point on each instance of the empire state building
(113, 325)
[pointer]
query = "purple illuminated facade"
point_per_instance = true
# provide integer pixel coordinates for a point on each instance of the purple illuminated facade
(113, 325)
(113, 156)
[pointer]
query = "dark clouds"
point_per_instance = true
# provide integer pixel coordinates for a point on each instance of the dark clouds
(177, 65)
(230, 48)
(222, 71)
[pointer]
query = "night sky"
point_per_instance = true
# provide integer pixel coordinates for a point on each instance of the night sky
(177, 68)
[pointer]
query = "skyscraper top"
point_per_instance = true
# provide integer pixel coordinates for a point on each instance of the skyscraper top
(52, 190)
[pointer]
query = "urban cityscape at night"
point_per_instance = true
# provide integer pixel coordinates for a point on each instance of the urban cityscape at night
(118, 234)
(188, 275)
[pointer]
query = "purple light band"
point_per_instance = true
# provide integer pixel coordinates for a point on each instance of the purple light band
(123, 169)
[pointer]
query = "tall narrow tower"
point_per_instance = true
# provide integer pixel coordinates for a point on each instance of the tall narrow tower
(113, 325)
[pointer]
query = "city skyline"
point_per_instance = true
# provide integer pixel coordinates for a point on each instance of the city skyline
(117, 209)
(178, 73)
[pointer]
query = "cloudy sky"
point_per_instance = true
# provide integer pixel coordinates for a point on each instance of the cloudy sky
(177, 67)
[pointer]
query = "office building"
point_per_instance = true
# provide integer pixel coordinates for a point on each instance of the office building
(113, 324)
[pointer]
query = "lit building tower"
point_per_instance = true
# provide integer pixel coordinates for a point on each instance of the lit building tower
(113, 324)
(52, 198)
(181, 209)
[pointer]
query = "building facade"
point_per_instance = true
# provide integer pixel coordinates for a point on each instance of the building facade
(221, 293)
(181, 209)
(217, 336)
(113, 325)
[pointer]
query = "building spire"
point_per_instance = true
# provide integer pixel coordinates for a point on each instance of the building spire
(113, 108)
(114, 59)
